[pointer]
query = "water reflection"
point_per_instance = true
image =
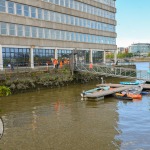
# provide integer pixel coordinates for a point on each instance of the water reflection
(34, 120)
(134, 124)
(57, 119)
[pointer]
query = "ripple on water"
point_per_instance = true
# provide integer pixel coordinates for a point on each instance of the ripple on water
(134, 123)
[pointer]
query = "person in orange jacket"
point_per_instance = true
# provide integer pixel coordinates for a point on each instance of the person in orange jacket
(65, 61)
(68, 61)
(90, 66)
(61, 64)
(55, 63)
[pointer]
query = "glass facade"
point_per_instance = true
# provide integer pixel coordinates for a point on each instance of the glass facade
(42, 14)
(17, 56)
(40, 27)
(63, 54)
(44, 33)
(20, 57)
(84, 8)
(98, 56)
(140, 49)
(2, 5)
(43, 56)
(107, 2)
(83, 56)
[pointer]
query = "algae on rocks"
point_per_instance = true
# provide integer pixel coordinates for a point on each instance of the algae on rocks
(29, 81)
(4, 91)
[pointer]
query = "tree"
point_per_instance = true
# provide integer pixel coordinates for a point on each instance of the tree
(110, 56)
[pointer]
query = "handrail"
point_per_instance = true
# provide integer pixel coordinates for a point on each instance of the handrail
(115, 71)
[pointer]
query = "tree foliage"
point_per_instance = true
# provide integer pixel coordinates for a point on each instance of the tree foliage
(120, 55)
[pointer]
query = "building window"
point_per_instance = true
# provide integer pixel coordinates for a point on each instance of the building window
(83, 56)
(40, 16)
(62, 35)
(43, 56)
(12, 29)
(34, 32)
(84, 7)
(97, 56)
(40, 33)
(11, 7)
(26, 10)
(19, 30)
(17, 56)
(53, 34)
(19, 9)
(57, 2)
(57, 17)
(62, 18)
(72, 36)
(63, 54)
(67, 3)
(3, 28)
(46, 15)
(47, 36)
(27, 31)
(33, 12)
(2, 5)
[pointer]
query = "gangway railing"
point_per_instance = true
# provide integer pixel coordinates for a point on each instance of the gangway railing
(115, 71)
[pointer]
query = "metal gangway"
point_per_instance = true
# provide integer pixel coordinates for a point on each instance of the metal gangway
(114, 71)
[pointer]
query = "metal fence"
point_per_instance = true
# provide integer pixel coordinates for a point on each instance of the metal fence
(115, 71)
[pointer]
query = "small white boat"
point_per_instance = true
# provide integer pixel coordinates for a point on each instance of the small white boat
(98, 89)
(136, 90)
(141, 81)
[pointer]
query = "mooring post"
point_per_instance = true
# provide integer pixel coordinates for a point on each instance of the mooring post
(102, 80)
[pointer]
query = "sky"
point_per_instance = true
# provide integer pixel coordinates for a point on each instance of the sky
(133, 22)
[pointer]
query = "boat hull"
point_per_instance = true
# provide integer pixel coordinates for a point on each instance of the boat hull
(145, 92)
(122, 97)
(129, 83)
(85, 94)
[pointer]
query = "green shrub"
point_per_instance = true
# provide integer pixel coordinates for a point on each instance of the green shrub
(4, 91)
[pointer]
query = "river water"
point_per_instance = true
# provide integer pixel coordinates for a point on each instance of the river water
(57, 119)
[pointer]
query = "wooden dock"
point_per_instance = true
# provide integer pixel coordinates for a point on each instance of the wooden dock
(145, 86)
(117, 88)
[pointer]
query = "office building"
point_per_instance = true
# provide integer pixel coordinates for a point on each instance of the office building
(140, 49)
(33, 32)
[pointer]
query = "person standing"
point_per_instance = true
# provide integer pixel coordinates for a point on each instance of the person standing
(47, 66)
(9, 66)
(12, 67)
(54, 63)
(61, 64)
(90, 66)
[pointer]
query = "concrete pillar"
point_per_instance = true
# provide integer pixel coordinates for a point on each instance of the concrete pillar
(31, 58)
(91, 56)
(1, 58)
(104, 57)
(115, 56)
(56, 55)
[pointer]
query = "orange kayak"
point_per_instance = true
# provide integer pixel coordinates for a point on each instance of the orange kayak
(135, 96)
